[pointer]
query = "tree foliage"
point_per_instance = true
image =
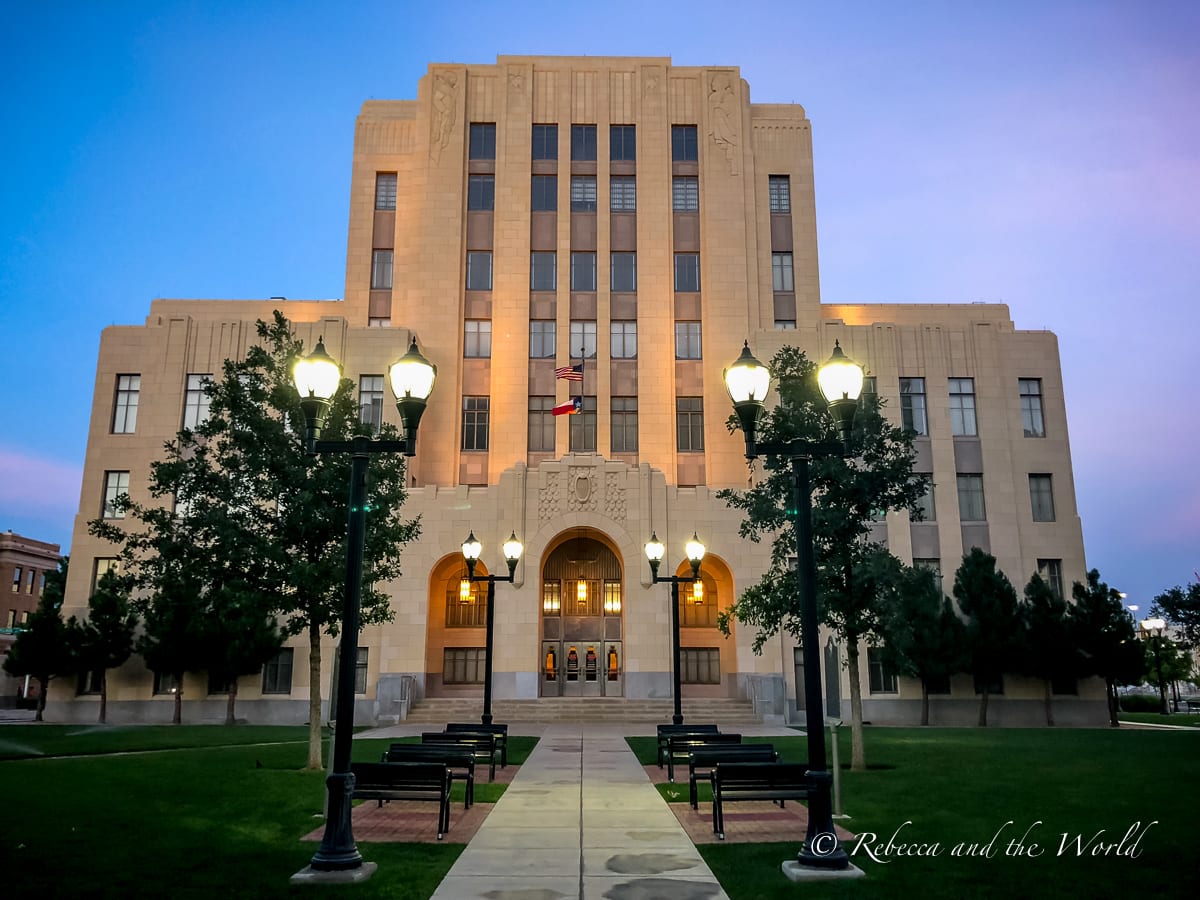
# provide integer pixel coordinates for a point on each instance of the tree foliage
(848, 495)
(1046, 648)
(1181, 607)
(1104, 638)
(104, 640)
(42, 649)
(989, 601)
(923, 636)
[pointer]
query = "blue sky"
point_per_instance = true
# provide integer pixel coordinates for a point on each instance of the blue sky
(1045, 155)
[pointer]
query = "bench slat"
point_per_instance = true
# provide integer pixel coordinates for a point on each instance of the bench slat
(735, 781)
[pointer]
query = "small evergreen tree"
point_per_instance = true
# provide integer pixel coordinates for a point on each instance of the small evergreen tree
(1047, 645)
(42, 650)
(1104, 638)
(104, 640)
(989, 601)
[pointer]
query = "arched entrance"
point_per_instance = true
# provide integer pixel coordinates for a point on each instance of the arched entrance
(582, 594)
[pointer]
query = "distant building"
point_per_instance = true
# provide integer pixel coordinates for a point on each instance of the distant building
(24, 563)
(652, 217)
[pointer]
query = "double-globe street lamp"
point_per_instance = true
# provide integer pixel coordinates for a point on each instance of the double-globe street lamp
(317, 377)
(1155, 630)
(695, 553)
(841, 380)
(471, 549)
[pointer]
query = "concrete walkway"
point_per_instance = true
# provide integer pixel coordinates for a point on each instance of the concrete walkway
(580, 820)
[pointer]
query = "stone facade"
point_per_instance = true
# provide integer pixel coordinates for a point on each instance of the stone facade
(654, 214)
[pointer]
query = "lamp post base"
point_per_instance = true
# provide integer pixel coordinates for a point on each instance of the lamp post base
(798, 872)
(309, 875)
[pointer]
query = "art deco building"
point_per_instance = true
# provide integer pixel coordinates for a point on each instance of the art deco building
(24, 563)
(654, 218)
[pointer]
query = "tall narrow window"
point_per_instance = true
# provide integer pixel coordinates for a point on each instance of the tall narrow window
(624, 425)
(623, 336)
(545, 142)
(583, 335)
(912, 405)
(477, 338)
(1051, 572)
(624, 272)
(16, 582)
(700, 665)
(583, 142)
(689, 424)
(583, 193)
(622, 143)
(543, 193)
(687, 340)
(196, 401)
(971, 507)
(925, 505)
(583, 428)
(481, 192)
(1041, 497)
(475, 423)
(360, 663)
(277, 673)
(684, 144)
(370, 400)
(543, 271)
(781, 272)
(880, 678)
(687, 272)
(541, 338)
(685, 193)
(780, 193)
(381, 270)
(622, 193)
(385, 190)
(125, 404)
(934, 565)
(1031, 407)
(541, 425)
(479, 270)
(483, 140)
(583, 272)
(962, 407)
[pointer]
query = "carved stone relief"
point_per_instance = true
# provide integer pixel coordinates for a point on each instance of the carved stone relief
(723, 116)
(445, 111)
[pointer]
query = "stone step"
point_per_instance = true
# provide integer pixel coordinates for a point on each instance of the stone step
(727, 711)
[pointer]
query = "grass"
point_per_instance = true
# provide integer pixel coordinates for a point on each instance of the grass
(1191, 720)
(214, 818)
(962, 786)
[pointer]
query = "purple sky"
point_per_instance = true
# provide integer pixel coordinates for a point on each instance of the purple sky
(1045, 155)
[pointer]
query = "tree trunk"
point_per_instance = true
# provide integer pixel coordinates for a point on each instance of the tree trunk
(177, 716)
(924, 703)
(314, 699)
(230, 700)
(983, 703)
(41, 703)
(103, 696)
(858, 754)
(1049, 705)
(1110, 688)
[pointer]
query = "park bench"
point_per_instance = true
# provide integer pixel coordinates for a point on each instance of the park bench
(665, 731)
(1193, 705)
(707, 757)
(500, 731)
(482, 745)
(460, 761)
(405, 781)
(755, 781)
(679, 746)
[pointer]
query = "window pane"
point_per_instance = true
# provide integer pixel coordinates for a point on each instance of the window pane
(971, 507)
(545, 142)
(685, 194)
(115, 484)
(479, 270)
(687, 272)
(1031, 407)
(125, 404)
(583, 339)
(1041, 498)
(583, 427)
(624, 272)
(912, 405)
(684, 146)
(623, 143)
(687, 340)
(781, 272)
(477, 338)
(475, 423)
(544, 193)
(779, 189)
(583, 142)
(385, 190)
(196, 401)
(624, 425)
(881, 679)
(481, 192)
(689, 423)
(542, 338)
(543, 271)
(926, 505)
(370, 400)
(1051, 571)
(583, 193)
(541, 425)
(623, 193)
(583, 271)
(381, 270)
(962, 407)
(483, 141)
(623, 340)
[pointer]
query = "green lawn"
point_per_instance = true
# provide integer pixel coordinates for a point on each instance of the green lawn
(202, 822)
(1191, 720)
(962, 786)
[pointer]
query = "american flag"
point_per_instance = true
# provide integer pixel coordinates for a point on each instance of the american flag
(570, 373)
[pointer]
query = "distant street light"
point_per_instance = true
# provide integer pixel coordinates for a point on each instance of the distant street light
(1156, 630)
(695, 553)
(471, 549)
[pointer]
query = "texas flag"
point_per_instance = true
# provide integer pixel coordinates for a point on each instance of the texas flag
(572, 406)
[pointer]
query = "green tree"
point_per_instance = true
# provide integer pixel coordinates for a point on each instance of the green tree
(42, 649)
(848, 496)
(267, 521)
(104, 640)
(1047, 645)
(989, 601)
(1104, 638)
(1181, 608)
(923, 637)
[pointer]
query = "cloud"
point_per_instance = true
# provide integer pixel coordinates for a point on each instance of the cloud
(36, 488)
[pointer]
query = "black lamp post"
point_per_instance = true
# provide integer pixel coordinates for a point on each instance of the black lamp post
(317, 377)
(695, 553)
(748, 381)
(471, 549)
(1155, 629)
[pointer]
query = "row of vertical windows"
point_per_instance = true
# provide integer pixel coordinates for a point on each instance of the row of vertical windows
(971, 507)
(31, 577)
(622, 142)
(963, 421)
(622, 334)
(543, 271)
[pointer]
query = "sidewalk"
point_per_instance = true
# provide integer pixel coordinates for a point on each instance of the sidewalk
(582, 820)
